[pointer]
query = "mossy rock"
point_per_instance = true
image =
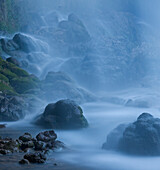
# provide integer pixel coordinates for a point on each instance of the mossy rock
(23, 84)
(3, 78)
(7, 89)
(16, 80)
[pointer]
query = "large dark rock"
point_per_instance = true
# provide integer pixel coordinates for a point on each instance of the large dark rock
(64, 114)
(140, 138)
(12, 108)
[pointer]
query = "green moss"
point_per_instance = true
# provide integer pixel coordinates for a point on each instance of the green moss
(5, 88)
(15, 79)
(3, 78)
(23, 84)
(7, 73)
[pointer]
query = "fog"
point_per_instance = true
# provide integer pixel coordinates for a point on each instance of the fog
(111, 50)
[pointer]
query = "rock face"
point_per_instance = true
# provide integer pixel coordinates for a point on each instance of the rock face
(140, 138)
(12, 108)
(64, 114)
(24, 51)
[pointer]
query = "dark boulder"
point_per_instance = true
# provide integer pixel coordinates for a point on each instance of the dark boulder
(36, 157)
(139, 138)
(64, 114)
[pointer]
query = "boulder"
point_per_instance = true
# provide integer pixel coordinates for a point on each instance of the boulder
(139, 138)
(64, 114)
(36, 157)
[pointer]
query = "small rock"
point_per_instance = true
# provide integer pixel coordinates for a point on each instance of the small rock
(36, 157)
(24, 161)
(26, 137)
(46, 136)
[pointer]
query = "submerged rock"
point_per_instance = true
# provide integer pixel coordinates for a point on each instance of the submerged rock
(64, 114)
(140, 138)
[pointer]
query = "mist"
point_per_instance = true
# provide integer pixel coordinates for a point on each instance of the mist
(104, 55)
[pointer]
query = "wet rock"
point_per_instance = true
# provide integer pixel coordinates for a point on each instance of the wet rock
(26, 137)
(2, 126)
(4, 151)
(24, 161)
(73, 30)
(64, 114)
(47, 136)
(36, 157)
(114, 137)
(26, 145)
(141, 137)
(13, 61)
(12, 108)
(8, 145)
(39, 146)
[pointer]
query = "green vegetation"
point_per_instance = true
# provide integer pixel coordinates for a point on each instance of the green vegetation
(15, 80)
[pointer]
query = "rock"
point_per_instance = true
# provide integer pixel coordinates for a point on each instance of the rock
(26, 145)
(139, 138)
(8, 145)
(13, 61)
(24, 42)
(58, 85)
(2, 126)
(12, 108)
(47, 136)
(4, 151)
(114, 137)
(40, 146)
(24, 161)
(26, 137)
(36, 157)
(64, 114)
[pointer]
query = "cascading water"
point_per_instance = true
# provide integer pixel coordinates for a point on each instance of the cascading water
(99, 48)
